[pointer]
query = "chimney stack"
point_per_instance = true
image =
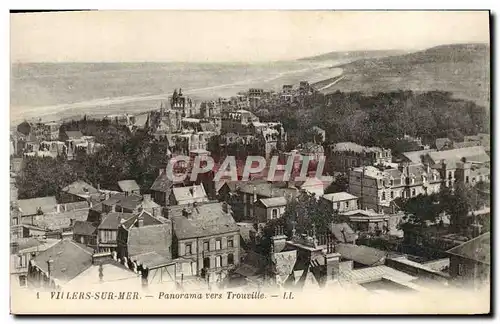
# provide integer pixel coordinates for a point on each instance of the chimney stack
(140, 222)
(278, 241)
(332, 262)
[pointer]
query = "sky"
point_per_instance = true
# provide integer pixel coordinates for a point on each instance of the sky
(232, 36)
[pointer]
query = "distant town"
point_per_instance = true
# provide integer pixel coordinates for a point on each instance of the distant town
(398, 207)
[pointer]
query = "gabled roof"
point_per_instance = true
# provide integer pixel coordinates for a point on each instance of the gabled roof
(58, 221)
(416, 156)
(360, 253)
(162, 183)
(182, 194)
(30, 206)
(152, 238)
(74, 134)
(84, 228)
(343, 232)
(69, 259)
(128, 185)
(339, 196)
(111, 221)
(205, 220)
(477, 249)
(80, 188)
(274, 202)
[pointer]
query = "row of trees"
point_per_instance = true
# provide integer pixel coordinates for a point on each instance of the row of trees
(383, 118)
(457, 204)
(124, 156)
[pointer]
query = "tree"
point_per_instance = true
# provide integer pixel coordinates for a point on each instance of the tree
(340, 184)
(303, 212)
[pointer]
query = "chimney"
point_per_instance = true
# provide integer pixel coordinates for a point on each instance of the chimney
(146, 197)
(140, 222)
(49, 265)
(332, 262)
(225, 207)
(156, 211)
(99, 187)
(101, 272)
(186, 212)
(278, 241)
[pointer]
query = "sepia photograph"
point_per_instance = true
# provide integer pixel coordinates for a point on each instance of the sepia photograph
(183, 162)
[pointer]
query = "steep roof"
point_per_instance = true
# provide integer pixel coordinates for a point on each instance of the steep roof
(477, 249)
(152, 238)
(80, 188)
(84, 228)
(188, 193)
(69, 259)
(162, 183)
(128, 185)
(360, 253)
(274, 202)
(30, 206)
(58, 221)
(74, 134)
(205, 220)
(343, 232)
(416, 156)
(350, 146)
(339, 196)
(113, 220)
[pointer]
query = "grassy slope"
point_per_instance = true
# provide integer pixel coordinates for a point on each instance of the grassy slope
(463, 69)
(352, 55)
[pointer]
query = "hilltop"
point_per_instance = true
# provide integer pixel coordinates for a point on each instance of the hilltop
(352, 55)
(462, 69)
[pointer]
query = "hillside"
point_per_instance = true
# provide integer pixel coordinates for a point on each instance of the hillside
(352, 55)
(462, 69)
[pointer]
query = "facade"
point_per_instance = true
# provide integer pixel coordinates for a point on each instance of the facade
(348, 155)
(340, 202)
(188, 195)
(207, 238)
(470, 262)
(377, 188)
(269, 208)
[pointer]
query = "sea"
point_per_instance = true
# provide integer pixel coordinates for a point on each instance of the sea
(54, 91)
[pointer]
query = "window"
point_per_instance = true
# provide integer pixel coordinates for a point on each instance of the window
(188, 249)
(218, 244)
(413, 192)
(20, 261)
(206, 262)
(230, 243)
(461, 270)
(206, 246)
(274, 214)
(218, 261)
(334, 205)
(391, 182)
(467, 179)
(230, 258)
(383, 195)
(22, 281)
(347, 204)
(392, 194)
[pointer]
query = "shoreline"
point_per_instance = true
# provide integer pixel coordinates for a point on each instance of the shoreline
(141, 103)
